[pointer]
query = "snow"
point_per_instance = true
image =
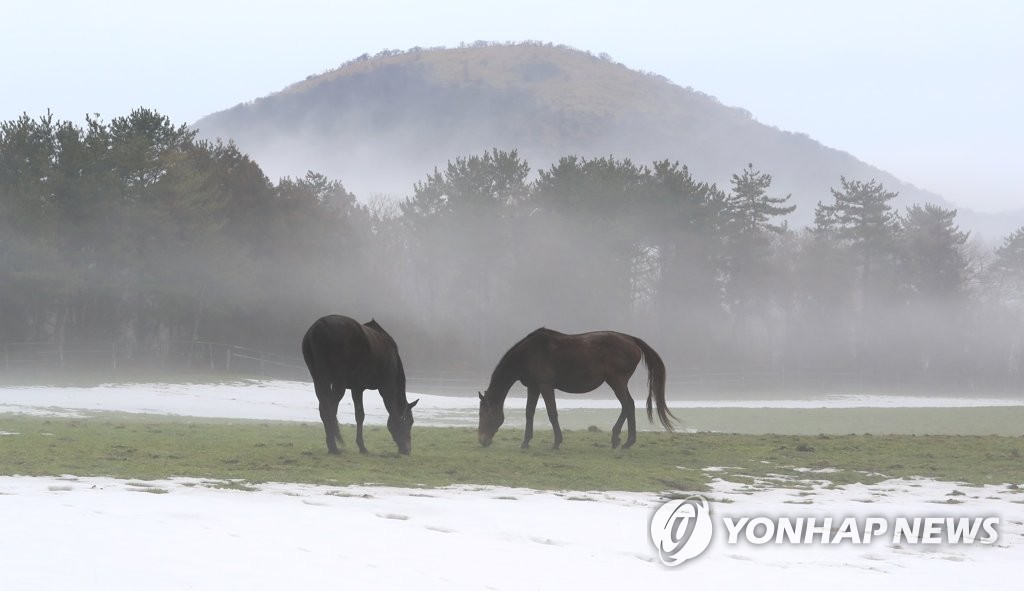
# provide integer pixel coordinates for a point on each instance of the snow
(101, 533)
(294, 401)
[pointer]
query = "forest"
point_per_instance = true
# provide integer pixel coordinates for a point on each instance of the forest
(136, 232)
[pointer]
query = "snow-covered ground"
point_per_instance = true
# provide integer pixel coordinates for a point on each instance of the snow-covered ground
(294, 401)
(99, 533)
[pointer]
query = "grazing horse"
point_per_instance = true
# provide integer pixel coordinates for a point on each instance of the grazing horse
(546, 360)
(343, 354)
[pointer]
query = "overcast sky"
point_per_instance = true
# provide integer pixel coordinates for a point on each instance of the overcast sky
(931, 91)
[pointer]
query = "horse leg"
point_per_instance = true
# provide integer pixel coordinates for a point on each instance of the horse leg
(617, 428)
(532, 394)
(328, 414)
(357, 400)
(549, 404)
(628, 415)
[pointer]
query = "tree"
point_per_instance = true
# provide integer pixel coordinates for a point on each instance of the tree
(1009, 261)
(825, 289)
(933, 269)
(750, 210)
(31, 231)
(1005, 314)
(861, 219)
(592, 238)
(688, 218)
(144, 144)
(460, 224)
(933, 262)
(754, 277)
(471, 186)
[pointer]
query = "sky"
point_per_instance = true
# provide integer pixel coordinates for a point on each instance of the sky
(930, 91)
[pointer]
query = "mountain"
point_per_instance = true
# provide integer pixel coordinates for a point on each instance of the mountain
(381, 123)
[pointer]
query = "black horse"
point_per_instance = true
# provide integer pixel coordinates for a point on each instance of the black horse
(546, 360)
(343, 354)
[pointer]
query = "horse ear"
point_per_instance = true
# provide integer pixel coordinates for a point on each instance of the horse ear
(414, 403)
(481, 395)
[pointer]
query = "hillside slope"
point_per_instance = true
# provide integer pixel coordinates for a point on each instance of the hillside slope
(381, 123)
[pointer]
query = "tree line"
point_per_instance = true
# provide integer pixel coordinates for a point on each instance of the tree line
(135, 231)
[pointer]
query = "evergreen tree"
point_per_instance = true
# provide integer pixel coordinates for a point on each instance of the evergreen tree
(595, 235)
(1009, 260)
(754, 277)
(863, 222)
(933, 260)
(460, 231)
(751, 211)
(689, 219)
(934, 272)
(863, 217)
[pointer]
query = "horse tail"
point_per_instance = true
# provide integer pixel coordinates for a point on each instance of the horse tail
(656, 386)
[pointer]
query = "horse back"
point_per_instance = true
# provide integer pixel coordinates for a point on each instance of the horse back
(335, 344)
(580, 362)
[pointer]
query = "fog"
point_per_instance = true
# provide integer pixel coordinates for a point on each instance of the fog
(137, 238)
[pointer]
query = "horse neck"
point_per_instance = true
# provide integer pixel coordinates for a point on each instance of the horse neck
(393, 402)
(505, 374)
(394, 397)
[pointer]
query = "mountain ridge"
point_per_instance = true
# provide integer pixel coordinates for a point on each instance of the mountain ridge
(381, 123)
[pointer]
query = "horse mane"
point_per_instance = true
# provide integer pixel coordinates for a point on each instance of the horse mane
(506, 362)
(513, 348)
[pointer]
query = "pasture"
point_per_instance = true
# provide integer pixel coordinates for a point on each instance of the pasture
(242, 453)
(210, 485)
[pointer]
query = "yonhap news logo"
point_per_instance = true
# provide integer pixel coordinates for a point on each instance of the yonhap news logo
(682, 529)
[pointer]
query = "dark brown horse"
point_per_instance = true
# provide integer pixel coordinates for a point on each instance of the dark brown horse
(343, 354)
(546, 360)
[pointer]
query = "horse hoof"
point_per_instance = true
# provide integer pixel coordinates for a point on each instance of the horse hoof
(333, 452)
(524, 446)
(615, 443)
(362, 450)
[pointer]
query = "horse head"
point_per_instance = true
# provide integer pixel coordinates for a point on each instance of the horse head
(492, 415)
(400, 426)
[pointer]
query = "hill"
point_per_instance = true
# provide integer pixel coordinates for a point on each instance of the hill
(381, 123)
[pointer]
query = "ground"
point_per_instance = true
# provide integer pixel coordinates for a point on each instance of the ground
(238, 520)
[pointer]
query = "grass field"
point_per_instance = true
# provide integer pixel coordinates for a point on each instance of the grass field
(240, 453)
(984, 420)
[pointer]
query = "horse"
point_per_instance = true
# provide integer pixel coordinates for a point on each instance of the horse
(546, 360)
(343, 354)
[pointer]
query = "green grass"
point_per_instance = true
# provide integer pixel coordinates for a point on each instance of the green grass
(986, 420)
(238, 454)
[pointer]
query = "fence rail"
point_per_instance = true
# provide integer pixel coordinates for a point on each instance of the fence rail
(222, 358)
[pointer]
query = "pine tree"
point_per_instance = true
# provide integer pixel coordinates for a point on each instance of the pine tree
(933, 263)
(754, 278)
(862, 217)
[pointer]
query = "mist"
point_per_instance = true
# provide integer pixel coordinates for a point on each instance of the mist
(382, 123)
(141, 237)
